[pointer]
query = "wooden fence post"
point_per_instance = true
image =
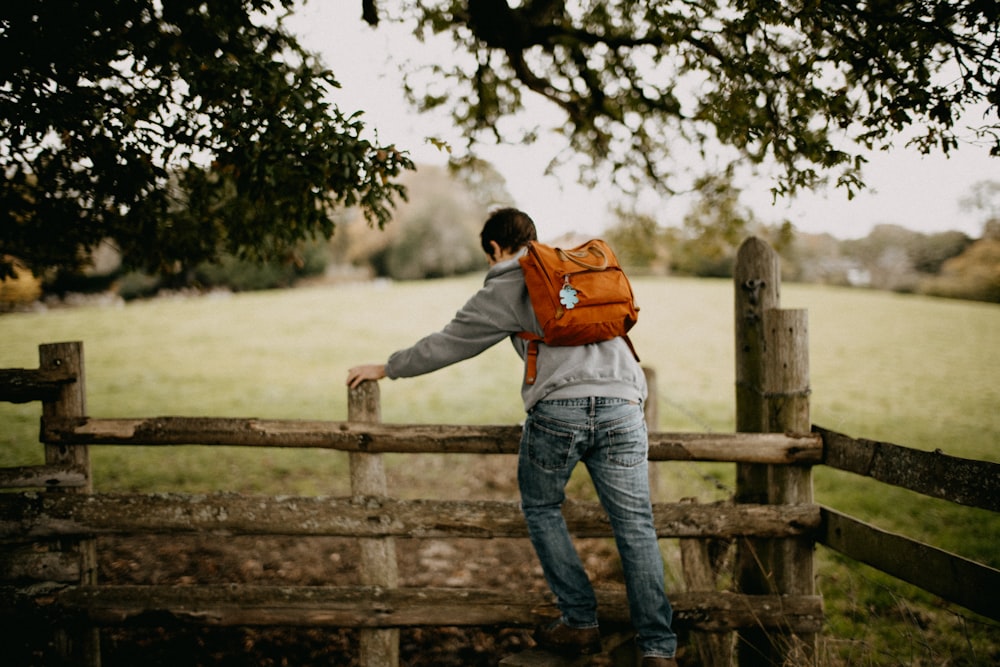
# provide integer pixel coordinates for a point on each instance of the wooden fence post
(378, 567)
(757, 289)
(700, 575)
(772, 395)
(76, 645)
(786, 387)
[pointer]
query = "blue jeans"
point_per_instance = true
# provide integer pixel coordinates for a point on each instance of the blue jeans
(609, 436)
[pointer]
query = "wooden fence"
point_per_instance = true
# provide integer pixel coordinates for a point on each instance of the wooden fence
(48, 562)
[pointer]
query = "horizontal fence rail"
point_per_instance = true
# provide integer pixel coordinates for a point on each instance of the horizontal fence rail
(28, 564)
(49, 515)
(43, 476)
(934, 474)
(960, 580)
(18, 385)
(772, 448)
(374, 607)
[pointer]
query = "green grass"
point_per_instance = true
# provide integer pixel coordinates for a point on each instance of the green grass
(915, 371)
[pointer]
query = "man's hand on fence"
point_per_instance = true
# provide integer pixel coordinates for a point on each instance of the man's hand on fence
(359, 374)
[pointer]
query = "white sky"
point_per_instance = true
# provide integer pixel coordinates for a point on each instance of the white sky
(905, 188)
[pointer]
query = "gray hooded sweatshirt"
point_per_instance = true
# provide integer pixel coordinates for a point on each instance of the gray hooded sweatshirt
(502, 309)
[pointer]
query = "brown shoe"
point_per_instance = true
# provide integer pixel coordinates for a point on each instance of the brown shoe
(655, 661)
(561, 638)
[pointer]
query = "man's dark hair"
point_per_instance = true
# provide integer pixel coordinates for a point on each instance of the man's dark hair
(510, 228)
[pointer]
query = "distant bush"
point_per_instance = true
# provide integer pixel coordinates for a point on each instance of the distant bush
(241, 275)
(974, 275)
(64, 283)
(21, 289)
(136, 285)
(230, 273)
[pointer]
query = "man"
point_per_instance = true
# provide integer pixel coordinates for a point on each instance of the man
(584, 406)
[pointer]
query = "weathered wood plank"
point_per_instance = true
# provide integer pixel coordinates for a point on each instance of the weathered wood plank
(778, 448)
(952, 577)
(20, 385)
(772, 448)
(372, 607)
(250, 432)
(25, 516)
(28, 564)
(962, 481)
(49, 477)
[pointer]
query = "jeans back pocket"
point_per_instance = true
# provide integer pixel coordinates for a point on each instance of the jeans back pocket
(549, 444)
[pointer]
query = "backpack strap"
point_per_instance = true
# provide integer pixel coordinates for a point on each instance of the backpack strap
(530, 357)
(628, 341)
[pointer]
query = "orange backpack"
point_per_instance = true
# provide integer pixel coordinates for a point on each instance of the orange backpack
(580, 296)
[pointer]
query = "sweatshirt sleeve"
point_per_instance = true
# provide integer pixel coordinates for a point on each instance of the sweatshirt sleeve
(486, 319)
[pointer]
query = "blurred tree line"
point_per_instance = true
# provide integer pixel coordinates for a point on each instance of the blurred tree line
(435, 234)
(891, 257)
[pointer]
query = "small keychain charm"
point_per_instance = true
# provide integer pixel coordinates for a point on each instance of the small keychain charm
(567, 295)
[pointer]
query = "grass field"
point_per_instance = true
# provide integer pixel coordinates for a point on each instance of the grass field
(910, 370)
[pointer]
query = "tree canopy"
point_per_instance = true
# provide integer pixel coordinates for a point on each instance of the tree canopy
(799, 85)
(177, 130)
(186, 129)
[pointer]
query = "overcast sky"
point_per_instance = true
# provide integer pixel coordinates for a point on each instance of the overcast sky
(905, 188)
